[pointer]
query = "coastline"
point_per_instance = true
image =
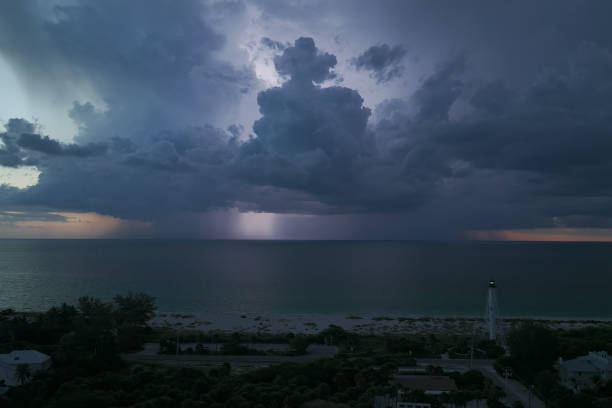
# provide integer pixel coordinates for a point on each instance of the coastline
(362, 323)
(368, 324)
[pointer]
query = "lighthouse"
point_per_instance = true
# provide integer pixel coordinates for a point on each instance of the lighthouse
(492, 311)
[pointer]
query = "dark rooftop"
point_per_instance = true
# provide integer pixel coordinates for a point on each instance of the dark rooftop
(425, 382)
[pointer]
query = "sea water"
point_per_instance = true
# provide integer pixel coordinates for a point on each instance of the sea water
(321, 277)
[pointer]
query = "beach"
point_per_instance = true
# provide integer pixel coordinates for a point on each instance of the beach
(364, 324)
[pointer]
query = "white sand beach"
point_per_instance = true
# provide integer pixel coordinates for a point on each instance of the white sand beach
(358, 323)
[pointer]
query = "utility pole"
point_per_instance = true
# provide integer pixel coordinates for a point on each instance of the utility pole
(472, 350)
(507, 374)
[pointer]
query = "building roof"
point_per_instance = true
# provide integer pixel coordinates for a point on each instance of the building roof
(582, 364)
(24, 357)
(594, 362)
(425, 382)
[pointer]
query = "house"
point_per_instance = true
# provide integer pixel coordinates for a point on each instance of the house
(35, 360)
(583, 371)
(413, 405)
(388, 401)
(429, 384)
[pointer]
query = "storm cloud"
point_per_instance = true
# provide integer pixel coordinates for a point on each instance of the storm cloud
(383, 61)
(44, 144)
(471, 144)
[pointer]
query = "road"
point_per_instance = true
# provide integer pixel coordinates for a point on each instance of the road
(515, 391)
(149, 356)
(238, 363)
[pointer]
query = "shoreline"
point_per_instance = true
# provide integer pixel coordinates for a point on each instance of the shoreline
(361, 323)
(373, 324)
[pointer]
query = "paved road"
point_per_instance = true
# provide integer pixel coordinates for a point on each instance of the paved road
(149, 355)
(183, 358)
(515, 391)
(238, 362)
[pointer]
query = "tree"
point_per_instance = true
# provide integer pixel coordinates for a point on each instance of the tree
(132, 312)
(322, 404)
(494, 394)
(434, 370)
(134, 309)
(95, 326)
(299, 344)
(533, 348)
(606, 389)
(472, 380)
(546, 383)
(333, 335)
(490, 348)
(22, 373)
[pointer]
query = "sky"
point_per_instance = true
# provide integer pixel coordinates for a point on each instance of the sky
(306, 119)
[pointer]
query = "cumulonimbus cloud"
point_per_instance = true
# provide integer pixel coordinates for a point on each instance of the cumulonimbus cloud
(474, 154)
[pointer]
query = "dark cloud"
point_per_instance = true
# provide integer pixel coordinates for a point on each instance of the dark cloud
(171, 171)
(516, 159)
(10, 154)
(22, 146)
(10, 217)
(546, 150)
(274, 45)
(309, 138)
(493, 98)
(149, 150)
(383, 61)
(514, 137)
(439, 91)
(153, 65)
(44, 144)
(305, 63)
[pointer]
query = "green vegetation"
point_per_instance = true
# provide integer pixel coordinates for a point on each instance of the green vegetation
(85, 342)
(22, 373)
(233, 344)
(474, 385)
(92, 383)
(94, 325)
(574, 343)
(533, 351)
(382, 318)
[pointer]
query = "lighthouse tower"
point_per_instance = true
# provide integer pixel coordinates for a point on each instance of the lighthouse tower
(492, 311)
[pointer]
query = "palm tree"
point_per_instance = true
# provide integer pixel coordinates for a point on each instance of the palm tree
(22, 373)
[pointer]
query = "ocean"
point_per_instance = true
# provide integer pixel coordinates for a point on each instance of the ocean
(405, 278)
